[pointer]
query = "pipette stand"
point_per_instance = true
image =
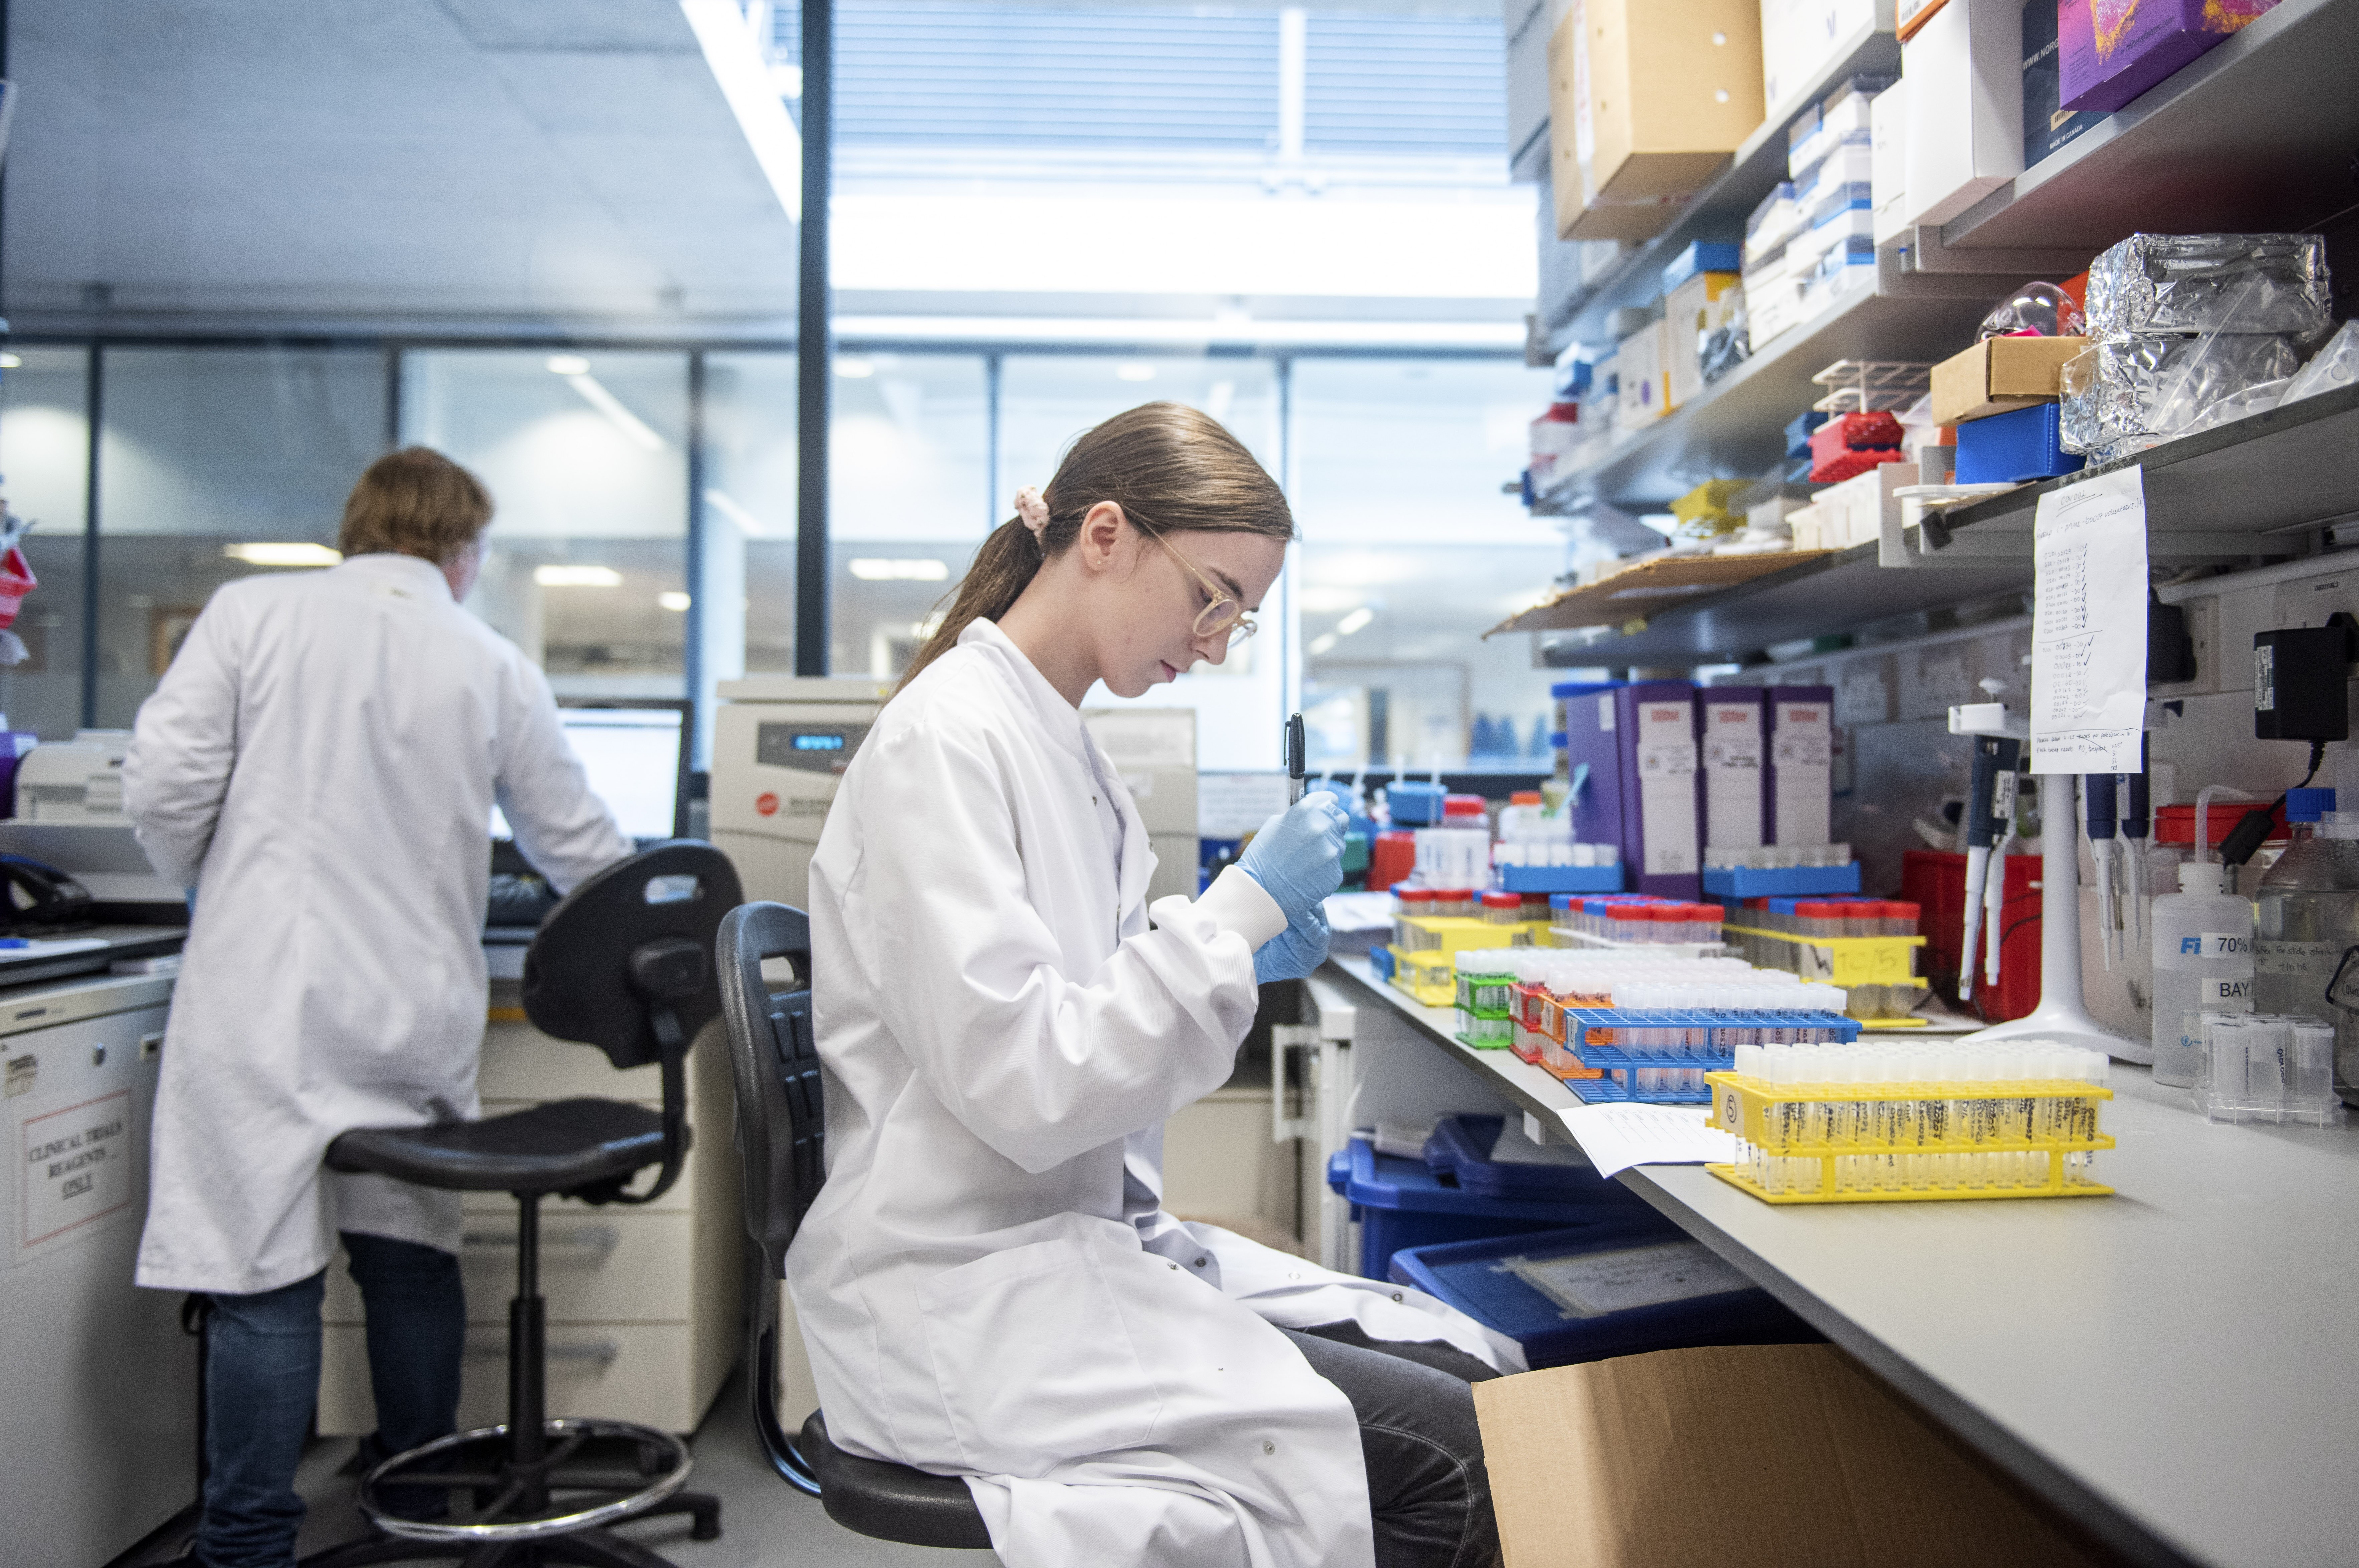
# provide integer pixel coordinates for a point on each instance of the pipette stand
(2062, 1015)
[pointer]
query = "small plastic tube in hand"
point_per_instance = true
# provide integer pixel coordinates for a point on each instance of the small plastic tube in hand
(1294, 953)
(1298, 856)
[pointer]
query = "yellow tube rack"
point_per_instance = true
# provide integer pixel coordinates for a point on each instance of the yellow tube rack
(1430, 976)
(1845, 961)
(1905, 1156)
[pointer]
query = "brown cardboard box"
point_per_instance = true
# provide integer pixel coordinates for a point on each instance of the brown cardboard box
(1772, 1455)
(1999, 376)
(1646, 99)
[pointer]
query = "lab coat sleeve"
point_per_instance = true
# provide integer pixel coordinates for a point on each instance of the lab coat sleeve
(184, 747)
(564, 830)
(966, 973)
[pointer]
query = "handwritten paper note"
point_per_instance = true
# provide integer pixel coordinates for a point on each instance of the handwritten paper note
(1616, 1136)
(2088, 636)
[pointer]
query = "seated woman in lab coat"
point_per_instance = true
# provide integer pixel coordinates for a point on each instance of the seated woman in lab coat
(987, 1284)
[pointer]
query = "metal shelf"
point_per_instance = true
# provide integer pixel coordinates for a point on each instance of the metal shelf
(1840, 593)
(2257, 134)
(1736, 426)
(2251, 488)
(2248, 490)
(1719, 207)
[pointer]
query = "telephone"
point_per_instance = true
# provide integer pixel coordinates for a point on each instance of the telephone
(39, 897)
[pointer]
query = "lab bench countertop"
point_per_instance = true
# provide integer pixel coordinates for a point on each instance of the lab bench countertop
(2172, 1365)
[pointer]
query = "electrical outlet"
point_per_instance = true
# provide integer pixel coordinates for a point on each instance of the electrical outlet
(1933, 682)
(1863, 696)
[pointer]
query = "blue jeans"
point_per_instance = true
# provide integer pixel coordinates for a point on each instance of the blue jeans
(262, 1378)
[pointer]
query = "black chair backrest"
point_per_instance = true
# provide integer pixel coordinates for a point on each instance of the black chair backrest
(781, 1135)
(623, 962)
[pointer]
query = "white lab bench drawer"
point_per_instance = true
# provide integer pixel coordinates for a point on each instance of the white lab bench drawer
(617, 1371)
(521, 1063)
(599, 1266)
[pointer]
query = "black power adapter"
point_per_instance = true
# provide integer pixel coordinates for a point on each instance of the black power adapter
(2300, 680)
(2300, 692)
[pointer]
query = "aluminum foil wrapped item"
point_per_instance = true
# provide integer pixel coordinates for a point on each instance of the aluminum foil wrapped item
(2211, 283)
(2125, 393)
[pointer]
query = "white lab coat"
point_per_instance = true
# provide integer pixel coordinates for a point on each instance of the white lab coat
(319, 765)
(987, 1285)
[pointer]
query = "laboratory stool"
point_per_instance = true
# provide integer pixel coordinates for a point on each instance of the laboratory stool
(624, 963)
(780, 1137)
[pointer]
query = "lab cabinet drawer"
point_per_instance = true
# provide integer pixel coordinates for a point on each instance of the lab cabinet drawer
(630, 1266)
(641, 1372)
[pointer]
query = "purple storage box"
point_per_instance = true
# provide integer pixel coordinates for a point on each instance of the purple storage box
(2112, 50)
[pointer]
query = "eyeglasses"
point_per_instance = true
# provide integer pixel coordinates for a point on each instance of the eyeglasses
(1224, 613)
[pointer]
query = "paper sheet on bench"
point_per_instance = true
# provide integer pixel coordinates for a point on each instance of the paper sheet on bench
(1616, 1136)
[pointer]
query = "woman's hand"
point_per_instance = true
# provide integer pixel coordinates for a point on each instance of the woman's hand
(1294, 952)
(1298, 856)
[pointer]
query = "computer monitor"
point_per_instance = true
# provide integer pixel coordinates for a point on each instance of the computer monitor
(636, 751)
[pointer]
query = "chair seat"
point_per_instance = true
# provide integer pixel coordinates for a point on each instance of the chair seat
(551, 1148)
(891, 1502)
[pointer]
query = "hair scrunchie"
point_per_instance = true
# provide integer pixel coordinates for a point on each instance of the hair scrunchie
(1032, 512)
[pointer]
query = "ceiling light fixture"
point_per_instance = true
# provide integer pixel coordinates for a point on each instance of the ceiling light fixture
(878, 569)
(1324, 644)
(1354, 622)
(1134, 372)
(11, 362)
(673, 600)
(854, 369)
(577, 577)
(283, 553)
(726, 505)
(633, 428)
(568, 365)
(733, 55)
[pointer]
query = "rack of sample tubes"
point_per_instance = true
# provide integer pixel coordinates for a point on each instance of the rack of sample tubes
(1865, 945)
(2260, 1066)
(1634, 1026)
(1882, 1123)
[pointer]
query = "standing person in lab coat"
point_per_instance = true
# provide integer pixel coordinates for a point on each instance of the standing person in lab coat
(319, 766)
(987, 1284)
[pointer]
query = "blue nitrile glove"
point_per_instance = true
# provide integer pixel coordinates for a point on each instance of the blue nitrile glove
(1298, 856)
(1294, 952)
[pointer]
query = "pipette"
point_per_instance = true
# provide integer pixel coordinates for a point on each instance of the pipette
(2098, 797)
(1994, 899)
(1298, 762)
(1990, 816)
(2137, 816)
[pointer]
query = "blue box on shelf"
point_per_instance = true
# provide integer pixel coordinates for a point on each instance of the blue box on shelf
(1781, 881)
(1798, 432)
(1701, 255)
(2022, 444)
(1401, 1203)
(1561, 879)
(1615, 1288)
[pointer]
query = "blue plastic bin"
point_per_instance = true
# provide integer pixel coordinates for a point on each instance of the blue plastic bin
(1460, 1150)
(1477, 1278)
(1780, 882)
(2012, 448)
(1400, 1203)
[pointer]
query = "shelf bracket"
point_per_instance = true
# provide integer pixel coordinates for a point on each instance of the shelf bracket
(1925, 253)
(1937, 547)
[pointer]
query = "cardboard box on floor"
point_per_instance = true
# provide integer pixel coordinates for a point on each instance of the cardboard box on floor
(1772, 1455)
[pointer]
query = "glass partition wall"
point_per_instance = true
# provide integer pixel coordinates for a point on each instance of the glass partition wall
(643, 543)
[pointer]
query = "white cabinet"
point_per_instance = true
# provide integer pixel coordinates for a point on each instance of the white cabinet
(643, 1300)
